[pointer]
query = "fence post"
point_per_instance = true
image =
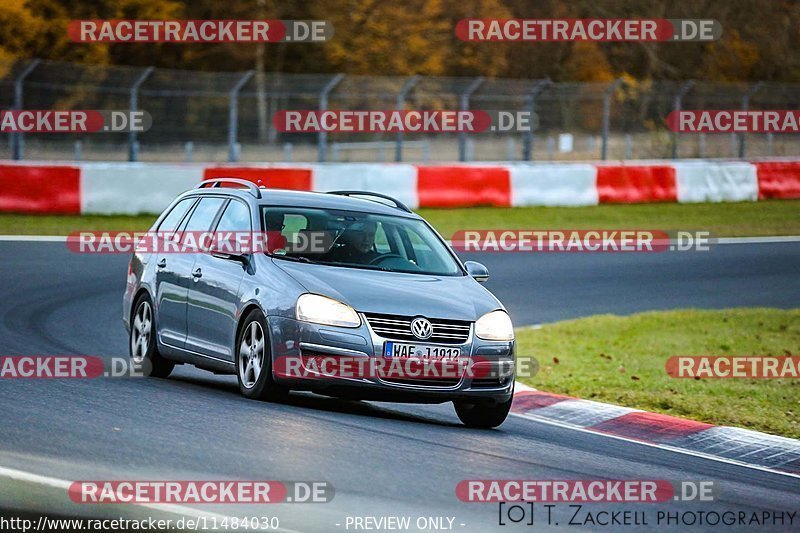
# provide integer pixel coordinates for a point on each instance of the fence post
(322, 136)
(233, 115)
(133, 146)
(462, 136)
(746, 106)
(607, 116)
(527, 139)
(676, 107)
(401, 104)
(16, 137)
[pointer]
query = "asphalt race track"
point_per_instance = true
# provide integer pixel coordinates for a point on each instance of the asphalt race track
(381, 458)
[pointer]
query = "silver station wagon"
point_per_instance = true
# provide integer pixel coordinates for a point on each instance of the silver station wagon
(379, 284)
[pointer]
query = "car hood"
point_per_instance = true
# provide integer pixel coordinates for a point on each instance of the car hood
(375, 291)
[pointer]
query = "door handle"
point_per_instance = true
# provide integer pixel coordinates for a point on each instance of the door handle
(197, 274)
(162, 263)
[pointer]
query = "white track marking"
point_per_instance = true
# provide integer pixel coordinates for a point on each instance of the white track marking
(758, 240)
(33, 238)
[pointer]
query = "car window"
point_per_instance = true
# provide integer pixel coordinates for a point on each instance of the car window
(203, 215)
(236, 217)
(292, 225)
(170, 222)
(421, 251)
(361, 240)
(381, 240)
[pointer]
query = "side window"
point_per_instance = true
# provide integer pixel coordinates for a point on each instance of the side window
(203, 215)
(235, 218)
(170, 222)
(233, 229)
(200, 221)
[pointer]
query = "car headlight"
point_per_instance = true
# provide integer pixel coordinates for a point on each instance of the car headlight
(323, 310)
(495, 326)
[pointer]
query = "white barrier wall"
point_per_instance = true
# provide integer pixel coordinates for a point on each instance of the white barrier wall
(704, 181)
(568, 185)
(133, 188)
(394, 179)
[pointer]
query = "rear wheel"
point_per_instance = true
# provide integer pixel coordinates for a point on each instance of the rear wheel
(482, 415)
(254, 360)
(143, 349)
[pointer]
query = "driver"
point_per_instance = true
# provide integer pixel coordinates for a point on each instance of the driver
(274, 221)
(356, 244)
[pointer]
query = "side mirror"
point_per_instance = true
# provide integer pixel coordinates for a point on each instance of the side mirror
(477, 271)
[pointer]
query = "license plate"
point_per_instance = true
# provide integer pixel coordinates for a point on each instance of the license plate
(420, 351)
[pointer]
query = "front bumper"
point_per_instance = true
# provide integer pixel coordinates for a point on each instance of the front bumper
(293, 338)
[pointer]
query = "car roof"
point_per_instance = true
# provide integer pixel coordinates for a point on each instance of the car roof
(321, 200)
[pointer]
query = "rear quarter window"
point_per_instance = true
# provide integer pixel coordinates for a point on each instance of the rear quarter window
(171, 221)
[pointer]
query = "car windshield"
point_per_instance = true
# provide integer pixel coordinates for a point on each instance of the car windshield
(356, 240)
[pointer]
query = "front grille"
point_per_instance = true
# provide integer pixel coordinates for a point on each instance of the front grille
(398, 327)
(433, 382)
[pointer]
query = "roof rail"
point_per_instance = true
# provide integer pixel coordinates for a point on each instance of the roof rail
(397, 203)
(215, 182)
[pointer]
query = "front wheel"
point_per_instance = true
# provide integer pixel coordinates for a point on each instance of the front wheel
(482, 415)
(143, 349)
(254, 360)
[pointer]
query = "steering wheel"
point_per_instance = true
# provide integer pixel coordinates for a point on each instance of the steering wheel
(382, 258)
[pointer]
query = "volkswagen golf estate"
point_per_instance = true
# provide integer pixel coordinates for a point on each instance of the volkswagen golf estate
(380, 285)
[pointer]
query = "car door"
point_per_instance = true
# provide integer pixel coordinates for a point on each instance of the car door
(174, 274)
(214, 291)
(170, 278)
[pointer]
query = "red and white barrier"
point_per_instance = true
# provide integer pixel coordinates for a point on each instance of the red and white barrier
(571, 185)
(701, 181)
(130, 188)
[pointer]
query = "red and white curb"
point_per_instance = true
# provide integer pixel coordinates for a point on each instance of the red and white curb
(728, 444)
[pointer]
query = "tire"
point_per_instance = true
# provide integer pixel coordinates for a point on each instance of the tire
(254, 360)
(142, 341)
(482, 416)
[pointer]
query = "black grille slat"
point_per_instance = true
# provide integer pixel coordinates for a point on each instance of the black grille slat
(398, 327)
(444, 383)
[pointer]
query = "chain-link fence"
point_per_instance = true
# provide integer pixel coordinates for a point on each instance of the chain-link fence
(227, 116)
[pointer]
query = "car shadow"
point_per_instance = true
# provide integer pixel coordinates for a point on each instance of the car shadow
(309, 400)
